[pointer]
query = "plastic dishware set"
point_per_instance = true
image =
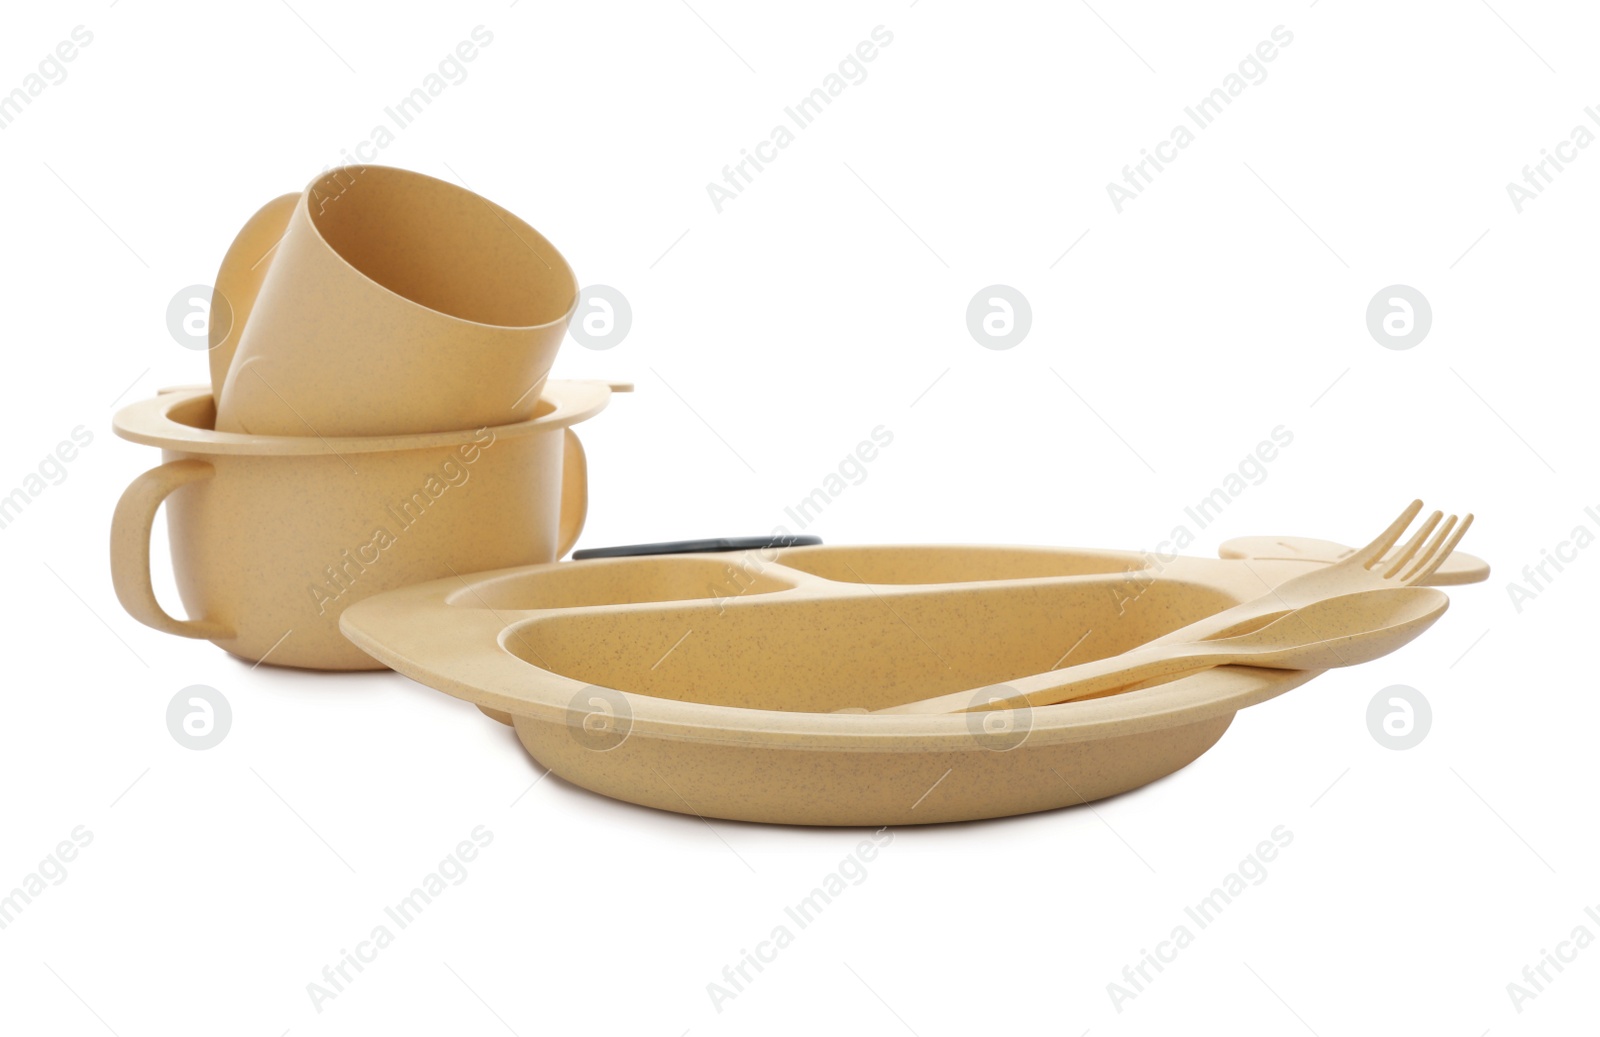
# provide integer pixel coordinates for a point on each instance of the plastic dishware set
(380, 474)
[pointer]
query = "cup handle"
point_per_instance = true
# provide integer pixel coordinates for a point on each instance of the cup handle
(130, 548)
(574, 491)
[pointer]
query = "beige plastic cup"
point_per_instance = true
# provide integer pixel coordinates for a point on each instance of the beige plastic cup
(392, 304)
(273, 537)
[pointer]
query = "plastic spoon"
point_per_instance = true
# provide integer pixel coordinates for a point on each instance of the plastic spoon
(1337, 631)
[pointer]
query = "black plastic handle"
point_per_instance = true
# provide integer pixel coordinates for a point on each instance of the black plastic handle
(683, 547)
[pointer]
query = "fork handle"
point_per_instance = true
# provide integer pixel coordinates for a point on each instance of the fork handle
(1085, 680)
(1238, 619)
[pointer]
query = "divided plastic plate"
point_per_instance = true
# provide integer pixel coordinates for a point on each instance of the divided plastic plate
(708, 684)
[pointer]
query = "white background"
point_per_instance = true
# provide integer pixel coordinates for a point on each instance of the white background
(829, 298)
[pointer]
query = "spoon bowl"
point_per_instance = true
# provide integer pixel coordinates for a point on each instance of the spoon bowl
(1340, 631)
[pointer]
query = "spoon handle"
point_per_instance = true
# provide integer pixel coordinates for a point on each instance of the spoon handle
(1082, 681)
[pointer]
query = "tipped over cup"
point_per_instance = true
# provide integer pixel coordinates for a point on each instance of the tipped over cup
(393, 304)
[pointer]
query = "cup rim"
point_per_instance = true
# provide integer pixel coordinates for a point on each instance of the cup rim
(303, 206)
(150, 422)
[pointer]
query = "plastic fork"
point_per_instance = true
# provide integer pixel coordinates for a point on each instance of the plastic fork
(1372, 567)
(1344, 630)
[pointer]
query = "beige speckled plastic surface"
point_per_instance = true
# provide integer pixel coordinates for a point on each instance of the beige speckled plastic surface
(239, 279)
(1341, 630)
(1460, 567)
(394, 304)
(274, 536)
(706, 684)
(1384, 564)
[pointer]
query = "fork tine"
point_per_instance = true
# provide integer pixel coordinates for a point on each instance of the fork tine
(1438, 559)
(1394, 564)
(1429, 551)
(1387, 538)
(1432, 548)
